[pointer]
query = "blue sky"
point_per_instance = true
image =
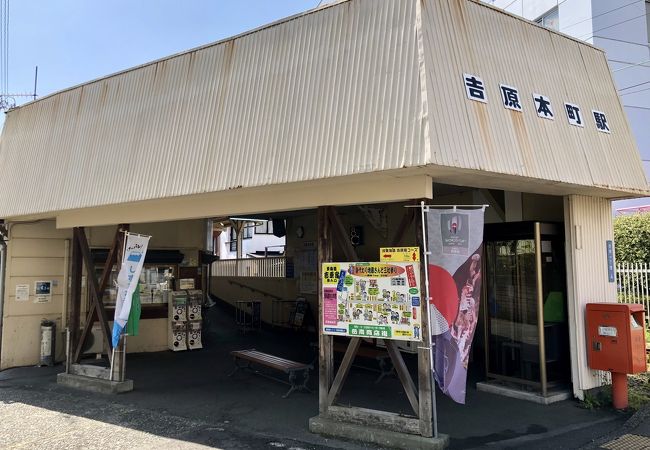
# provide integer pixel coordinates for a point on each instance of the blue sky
(73, 41)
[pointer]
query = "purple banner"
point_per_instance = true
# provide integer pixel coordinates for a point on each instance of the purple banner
(455, 243)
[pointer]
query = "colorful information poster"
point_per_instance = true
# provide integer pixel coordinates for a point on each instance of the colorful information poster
(372, 300)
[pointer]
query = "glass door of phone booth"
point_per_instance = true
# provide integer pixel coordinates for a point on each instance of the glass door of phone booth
(526, 331)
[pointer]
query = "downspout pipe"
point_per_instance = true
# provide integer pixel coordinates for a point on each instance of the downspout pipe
(3, 272)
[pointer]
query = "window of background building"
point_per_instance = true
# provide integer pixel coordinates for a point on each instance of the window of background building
(551, 19)
(248, 230)
(247, 233)
(233, 240)
(264, 227)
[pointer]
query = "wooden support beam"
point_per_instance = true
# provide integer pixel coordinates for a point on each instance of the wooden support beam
(95, 295)
(377, 419)
(341, 236)
(403, 374)
(325, 351)
(74, 301)
(344, 370)
(424, 353)
(106, 273)
(405, 223)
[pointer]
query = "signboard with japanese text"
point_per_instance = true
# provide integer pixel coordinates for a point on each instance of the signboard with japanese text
(372, 300)
(399, 254)
(476, 89)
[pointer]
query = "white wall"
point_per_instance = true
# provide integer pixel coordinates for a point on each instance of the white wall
(35, 252)
(588, 227)
(623, 34)
(257, 243)
(38, 251)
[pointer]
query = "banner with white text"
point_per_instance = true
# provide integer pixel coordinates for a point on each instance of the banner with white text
(135, 249)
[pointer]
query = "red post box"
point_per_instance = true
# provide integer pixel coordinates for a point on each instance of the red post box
(616, 343)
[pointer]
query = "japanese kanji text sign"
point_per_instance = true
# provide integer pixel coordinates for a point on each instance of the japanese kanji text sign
(372, 299)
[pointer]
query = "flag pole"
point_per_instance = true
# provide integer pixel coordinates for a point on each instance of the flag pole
(423, 209)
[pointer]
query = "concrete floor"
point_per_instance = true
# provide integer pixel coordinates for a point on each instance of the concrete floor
(195, 385)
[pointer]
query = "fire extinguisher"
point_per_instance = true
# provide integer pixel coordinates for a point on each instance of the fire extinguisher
(48, 341)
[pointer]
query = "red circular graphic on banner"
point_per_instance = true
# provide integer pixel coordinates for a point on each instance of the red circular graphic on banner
(443, 292)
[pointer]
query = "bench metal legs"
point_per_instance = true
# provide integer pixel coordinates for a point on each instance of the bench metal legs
(293, 377)
(297, 387)
(386, 367)
(238, 365)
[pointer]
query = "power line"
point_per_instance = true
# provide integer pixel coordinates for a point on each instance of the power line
(619, 61)
(601, 14)
(632, 65)
(610, 26)
(637, 107)
(621, 40)
(634, 92)
(633, 86)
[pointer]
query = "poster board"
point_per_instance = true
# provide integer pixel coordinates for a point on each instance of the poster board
(372, 300)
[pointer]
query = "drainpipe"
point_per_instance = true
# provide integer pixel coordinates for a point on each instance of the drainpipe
(3, 271)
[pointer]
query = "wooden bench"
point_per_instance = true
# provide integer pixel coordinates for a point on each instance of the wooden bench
(245, 358)
(380, 355)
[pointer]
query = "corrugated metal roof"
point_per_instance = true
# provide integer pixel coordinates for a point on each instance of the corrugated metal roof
(330, 93)
(467, 37)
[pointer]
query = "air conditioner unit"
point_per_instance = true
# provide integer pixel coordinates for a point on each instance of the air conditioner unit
(95, 341)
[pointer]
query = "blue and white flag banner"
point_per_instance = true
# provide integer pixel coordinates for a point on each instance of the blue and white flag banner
(135, 249)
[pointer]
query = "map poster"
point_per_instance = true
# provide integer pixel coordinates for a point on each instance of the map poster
(372, 300)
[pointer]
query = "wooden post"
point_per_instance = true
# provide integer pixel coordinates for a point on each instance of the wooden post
(325, 353)
(93, 285)
(424, 354)
(108, 267)
(343, 371)
(74, 301)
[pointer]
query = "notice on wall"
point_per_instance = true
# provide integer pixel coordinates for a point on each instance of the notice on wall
(186, 283)
(22, 292)
(372, 299)
(42, 292)
(309, 282)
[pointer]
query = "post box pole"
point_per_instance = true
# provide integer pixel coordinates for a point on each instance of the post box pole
(619, 390)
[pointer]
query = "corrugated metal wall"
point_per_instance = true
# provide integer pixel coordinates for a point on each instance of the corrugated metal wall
(327, 94)
(330, 93)
(467, 37)
(588, 226)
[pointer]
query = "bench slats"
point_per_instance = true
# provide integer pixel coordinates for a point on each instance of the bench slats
(267, 360)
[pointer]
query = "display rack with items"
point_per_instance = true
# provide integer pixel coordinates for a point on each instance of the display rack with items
(185, 321)
(155, 279)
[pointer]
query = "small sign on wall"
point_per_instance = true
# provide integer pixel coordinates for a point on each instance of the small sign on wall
(610, 261)
(42, 292)
(22, 292)
(186, 283)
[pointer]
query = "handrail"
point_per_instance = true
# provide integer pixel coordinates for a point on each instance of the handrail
(245, 286)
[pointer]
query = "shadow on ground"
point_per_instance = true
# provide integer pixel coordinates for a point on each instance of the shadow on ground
(189, 394)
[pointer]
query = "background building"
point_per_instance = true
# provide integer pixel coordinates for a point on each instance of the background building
(622, 29)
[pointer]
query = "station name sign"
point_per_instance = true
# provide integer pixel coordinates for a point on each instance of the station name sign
(511, 99)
